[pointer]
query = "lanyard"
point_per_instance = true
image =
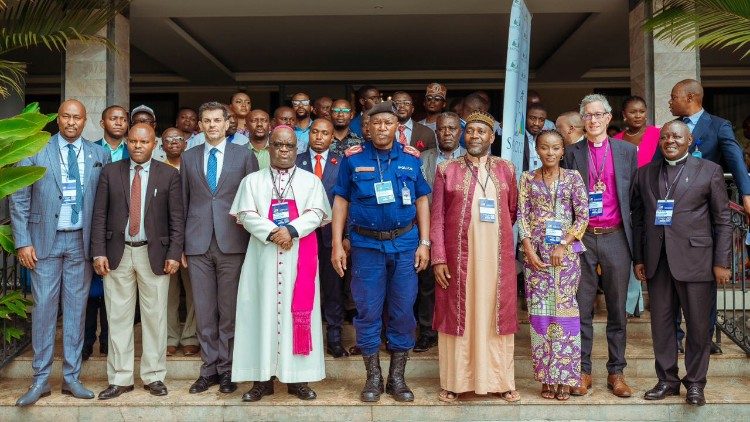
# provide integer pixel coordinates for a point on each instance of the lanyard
(380, 170)
(668, 186)
(474, 175)
(280, 195)
(554, 192)
(598, 174)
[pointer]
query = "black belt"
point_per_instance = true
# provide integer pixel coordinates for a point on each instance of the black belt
(383, 235)
(137, 244)
(68, 230)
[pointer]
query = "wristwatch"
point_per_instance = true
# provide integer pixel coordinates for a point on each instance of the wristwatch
(424, 242)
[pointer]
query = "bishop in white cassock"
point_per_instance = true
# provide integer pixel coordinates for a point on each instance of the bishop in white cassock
(278, 329)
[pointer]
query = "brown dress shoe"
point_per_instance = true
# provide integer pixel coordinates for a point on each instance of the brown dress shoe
(584, 388)
(171, 350)
(190, 350)
(616, 383)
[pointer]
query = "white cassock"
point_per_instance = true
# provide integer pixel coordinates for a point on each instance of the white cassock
(263, 326)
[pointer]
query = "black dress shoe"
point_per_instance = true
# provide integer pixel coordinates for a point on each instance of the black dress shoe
(226, 385)
(301, 390)
(260, 389)
(661, 390)
(680, 347)
(87, 352)
(156, 388)
(114, 391)
(716, 349)
(336, 349)
(425, 342)
(695, 396)
(203, 383)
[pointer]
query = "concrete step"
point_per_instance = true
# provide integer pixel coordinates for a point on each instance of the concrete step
(639, 355)
(337, 400)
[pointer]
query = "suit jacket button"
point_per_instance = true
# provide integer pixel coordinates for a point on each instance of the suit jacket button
(55, 215)
(59, 197)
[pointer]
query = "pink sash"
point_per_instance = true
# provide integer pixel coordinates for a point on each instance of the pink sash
(303, 296)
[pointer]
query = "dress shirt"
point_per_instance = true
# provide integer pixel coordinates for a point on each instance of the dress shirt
(693, 119)
(535, 161)
(116, 153)
(323, 159)
(303, 137)
(262, 155)
(64, 223)
(219, 158)
(408, 129)
(611, 215)
(141, 236)
(432, 125)
(441, 156)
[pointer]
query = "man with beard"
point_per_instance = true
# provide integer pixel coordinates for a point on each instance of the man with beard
(434, 103)
(343, 137)
(368, 96)
(302, 108)
(536, 115)
(281, 208)
(409, 132)
(258, 123)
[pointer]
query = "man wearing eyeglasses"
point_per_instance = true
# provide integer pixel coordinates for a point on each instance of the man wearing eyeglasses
(608, 167)
(409, 132)
(368, 96)
(343, 136)
(302, 108)
(434, 103)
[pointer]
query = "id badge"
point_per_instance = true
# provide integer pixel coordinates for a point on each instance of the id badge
(697, 153)
(384, 192)
(405, 195)
(596, 204)
(69, 192)
(280, 214)
(486, 210)
(553, 232)
(664, 210)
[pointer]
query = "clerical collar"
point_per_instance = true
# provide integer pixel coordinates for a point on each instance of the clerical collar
(282, 171)
(678, 161)
(597, 144)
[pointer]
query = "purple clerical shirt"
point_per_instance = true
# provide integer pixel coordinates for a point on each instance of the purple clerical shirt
(611, 206)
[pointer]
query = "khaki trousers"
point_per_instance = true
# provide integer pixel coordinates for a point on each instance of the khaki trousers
(134, 276)
(175, 335)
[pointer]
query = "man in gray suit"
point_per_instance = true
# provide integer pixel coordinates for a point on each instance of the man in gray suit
(215, 244)
(448, 131)
(51, 222)
(608, 167)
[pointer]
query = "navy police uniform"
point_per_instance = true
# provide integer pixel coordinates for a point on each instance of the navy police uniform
(384, 238)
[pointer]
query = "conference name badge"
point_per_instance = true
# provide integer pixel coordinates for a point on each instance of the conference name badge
(280, 214)
(405, 195)
(664, 211)
(486, 210)
(553, 232)
(596, 204)
(384, 192)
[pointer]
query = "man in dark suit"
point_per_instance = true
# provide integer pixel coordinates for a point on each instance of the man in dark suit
(713, 139)
(215, 244)
(115, 124)
(325, 164)
(608, 168)
(136, 241)
(51, 221)
(410, 132)
(681, 244)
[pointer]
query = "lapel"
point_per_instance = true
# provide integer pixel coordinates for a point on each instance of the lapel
(581, 158)
(199, 165)
(125, 179)
(700, 130)
(125, 155)
(53, 155)
(653, 176)
(152, 177)
(330, 168)
(618, 159)
(228, 160)
(88, 163)
(689, 174)
(305, 162)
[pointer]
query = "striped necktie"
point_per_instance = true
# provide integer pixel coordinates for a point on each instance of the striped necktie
(73, 173)
(211, 169)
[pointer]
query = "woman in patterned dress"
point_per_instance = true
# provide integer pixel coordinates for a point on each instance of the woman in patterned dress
(552, 217)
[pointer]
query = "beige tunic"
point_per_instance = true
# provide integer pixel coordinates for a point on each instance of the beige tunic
(481, 360)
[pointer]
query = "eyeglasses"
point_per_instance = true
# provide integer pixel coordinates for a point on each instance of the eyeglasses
(341, 110)
(433, 98)
(173, 139)
(374, 99)
(288, 146)
(300, 102)
(402, 103)
(592, 116)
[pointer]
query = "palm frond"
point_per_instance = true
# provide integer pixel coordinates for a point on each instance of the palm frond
(11, 77)
(53, 23)
(703, 24)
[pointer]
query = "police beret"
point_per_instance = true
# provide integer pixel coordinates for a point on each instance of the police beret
(382, 107)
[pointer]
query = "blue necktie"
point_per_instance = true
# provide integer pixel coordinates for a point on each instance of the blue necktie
(74, 174)
(211, 170)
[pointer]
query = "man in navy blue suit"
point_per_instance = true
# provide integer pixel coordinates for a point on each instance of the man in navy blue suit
(318, 160)
(713, 139)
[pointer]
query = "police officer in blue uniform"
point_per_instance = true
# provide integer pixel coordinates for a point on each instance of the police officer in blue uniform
(382, 195)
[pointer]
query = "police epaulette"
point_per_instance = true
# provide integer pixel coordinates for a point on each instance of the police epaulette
(411, 150)
(356, 149)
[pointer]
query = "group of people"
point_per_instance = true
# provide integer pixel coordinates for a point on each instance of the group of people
(233, 204)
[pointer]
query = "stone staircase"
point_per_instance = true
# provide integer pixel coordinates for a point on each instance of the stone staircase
(727, 392)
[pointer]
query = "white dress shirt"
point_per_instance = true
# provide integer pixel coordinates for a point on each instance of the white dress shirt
(219, 158)
(323, 159)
